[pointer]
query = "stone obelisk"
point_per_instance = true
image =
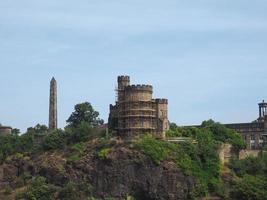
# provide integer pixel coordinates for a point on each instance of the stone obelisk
(53, 105)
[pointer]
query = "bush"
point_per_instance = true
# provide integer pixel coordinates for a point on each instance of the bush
(7, 191)
(199, 160)
(39, 189)
(81, 133)
(73, 191)
(103, 152)
(76, 152)
(54, 140)
(155, 149)
(225, 135)
(250, 188)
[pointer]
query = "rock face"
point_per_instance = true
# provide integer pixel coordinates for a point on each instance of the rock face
(123, 171)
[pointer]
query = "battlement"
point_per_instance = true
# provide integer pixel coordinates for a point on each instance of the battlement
(135, 112)
(123, 78)
(162, 101)
(139, 88)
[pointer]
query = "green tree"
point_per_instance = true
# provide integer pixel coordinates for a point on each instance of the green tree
(15, 131)
(224, 134)
(39, 190)
(39, 129)
(84, 112)
(250, 188)
(54, 140)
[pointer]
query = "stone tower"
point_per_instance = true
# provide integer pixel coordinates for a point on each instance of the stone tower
(136, 112)
(53, 105)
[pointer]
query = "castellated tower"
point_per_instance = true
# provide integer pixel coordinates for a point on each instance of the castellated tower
(136, 112)
(53, 105)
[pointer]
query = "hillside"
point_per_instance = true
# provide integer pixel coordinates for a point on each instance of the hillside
(101, 169)
(83, 162)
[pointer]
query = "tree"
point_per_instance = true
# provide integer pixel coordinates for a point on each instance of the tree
(54, 140)
(15, 131)
(38, 189)
(84, 113)
(39, 129)
(250, 187)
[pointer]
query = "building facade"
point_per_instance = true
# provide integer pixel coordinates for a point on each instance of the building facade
(254, 133)
(136, 112)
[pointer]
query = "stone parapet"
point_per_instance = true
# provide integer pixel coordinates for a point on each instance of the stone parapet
(161, 101)
(5, 130)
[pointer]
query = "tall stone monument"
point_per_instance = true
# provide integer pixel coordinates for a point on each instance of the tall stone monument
(53, 105)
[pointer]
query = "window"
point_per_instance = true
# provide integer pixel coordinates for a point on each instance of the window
(252, 137)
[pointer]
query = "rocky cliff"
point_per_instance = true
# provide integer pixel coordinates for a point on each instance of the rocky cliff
(114, 170)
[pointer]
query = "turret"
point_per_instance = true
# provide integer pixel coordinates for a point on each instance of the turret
(135, 93)
(162, 116)
(262, 110)
(123, 81)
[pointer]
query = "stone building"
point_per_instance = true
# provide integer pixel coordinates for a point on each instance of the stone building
(136, 112)
(254, 133)
(5, 130)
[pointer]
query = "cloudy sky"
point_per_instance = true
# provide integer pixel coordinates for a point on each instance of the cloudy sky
(209, 58)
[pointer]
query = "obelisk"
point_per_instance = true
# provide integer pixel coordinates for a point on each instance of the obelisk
(53, 105)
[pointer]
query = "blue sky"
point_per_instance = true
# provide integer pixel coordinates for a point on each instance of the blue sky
(207, 57)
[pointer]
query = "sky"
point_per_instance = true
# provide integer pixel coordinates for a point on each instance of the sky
(207, 57)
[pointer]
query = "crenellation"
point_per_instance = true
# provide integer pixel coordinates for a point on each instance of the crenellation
(140, 87)
(136, 112)
(162, 101)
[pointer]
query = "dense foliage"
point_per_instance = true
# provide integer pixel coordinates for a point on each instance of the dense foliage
(197, 157)
(198, 160)
(251, 181)
(39, 189)
(81, 127)
(218, 133)
(84, 113)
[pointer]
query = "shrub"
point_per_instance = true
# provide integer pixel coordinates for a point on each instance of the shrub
(79, 133)
(54, 140)
(73, 191)
(7, 191)
(250, 188)
(39, 189)
(76, 152)
(155, 149)
(199, 160)
(103, 152)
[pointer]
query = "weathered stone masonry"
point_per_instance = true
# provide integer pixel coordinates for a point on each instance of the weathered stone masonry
(53, 105)
(255, 133)
(136, 112)
(5, 130)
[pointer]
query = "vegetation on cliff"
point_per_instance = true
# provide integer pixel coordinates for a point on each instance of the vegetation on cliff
(82, 162)
(251, 178)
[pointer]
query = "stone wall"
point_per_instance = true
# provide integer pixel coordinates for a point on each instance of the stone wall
(245, 153)
(135, 112)
(5, 130)
(226, 153)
